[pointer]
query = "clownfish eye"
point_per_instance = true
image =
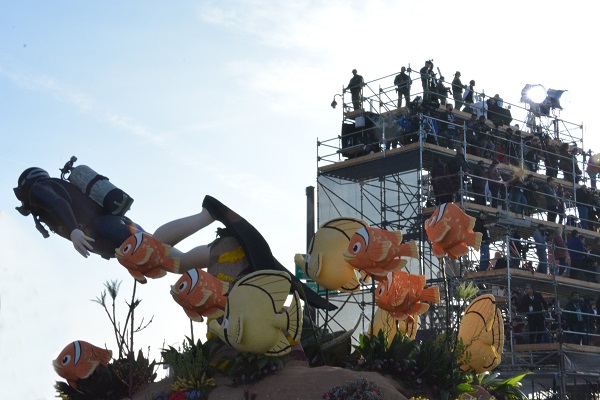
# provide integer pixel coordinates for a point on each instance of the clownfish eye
(380, 290)
(182, 286)
(356, 248)
(127, 248)
(66, 359)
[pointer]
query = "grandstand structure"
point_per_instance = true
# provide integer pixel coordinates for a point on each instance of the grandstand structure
(378, 168)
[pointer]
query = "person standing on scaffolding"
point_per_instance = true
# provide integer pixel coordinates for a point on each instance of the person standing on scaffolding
(469, 96)
(534, 306)
(403, 82)
(427, 79)
(355, 86)
(457, 91)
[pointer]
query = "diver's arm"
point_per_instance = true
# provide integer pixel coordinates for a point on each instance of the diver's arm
(43, 196)
(81, 242)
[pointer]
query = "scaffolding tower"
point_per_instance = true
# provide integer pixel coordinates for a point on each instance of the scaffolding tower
(378, 170)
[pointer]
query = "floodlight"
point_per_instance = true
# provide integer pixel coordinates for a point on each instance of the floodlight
(558, 98)
(533, 94)
(334, 103)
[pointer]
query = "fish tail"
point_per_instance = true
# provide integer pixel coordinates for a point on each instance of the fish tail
(410, 249)
(474, 239)
(418, 309)
(396, 264)
(224, 288)
(431, 294)
(174, 265)
(398, 235)
(294, 314)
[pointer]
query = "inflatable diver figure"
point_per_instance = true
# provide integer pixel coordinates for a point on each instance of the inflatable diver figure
(66, 210)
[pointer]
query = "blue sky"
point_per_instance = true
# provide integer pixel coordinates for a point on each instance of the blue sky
(176, 100)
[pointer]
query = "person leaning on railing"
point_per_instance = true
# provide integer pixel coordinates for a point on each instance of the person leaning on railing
(560, 251)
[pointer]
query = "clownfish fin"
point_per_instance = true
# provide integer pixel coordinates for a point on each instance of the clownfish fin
(431, 294)
(418, 309)
(458, 250)
(155, 273)
(412, 250)
(137, 275)
(474, 239)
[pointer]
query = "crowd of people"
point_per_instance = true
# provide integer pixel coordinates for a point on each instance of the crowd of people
(579, 322)
(516, 171)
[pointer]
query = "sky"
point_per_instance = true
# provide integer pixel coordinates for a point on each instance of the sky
(176, 100)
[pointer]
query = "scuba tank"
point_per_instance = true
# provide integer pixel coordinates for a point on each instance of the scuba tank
(97, 187)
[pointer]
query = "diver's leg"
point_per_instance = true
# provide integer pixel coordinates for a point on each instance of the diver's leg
(175, 231)
(198, 257)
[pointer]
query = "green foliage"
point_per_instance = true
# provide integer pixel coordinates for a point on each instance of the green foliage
(438, 367)
(359, 390)
(136, 373)
(503, 389)
(246, 368)
(395, 358)
(428, 364)
(191, 366)
(323, 347)
(191, 362)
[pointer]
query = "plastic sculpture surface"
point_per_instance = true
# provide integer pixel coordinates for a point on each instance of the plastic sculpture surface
(325, 263)
(256, 320)
(450, 231)
(143, 256)
(200, 294)
(482, 332)
(378, 251)
(78, 360)
(383, 320)
(403, 295)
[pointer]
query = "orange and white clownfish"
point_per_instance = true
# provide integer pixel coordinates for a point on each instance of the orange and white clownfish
(200, 294)
(143, 256)
(377, 251)
(450, 231)
(403, 295)
(482, 333)
(79, 360)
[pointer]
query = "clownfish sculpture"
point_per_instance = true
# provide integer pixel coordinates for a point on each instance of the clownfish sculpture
(450, 231)
(200, 294)
(403, 295)
(78, 360)
(482, 333)
(144, 256)
(377, 251)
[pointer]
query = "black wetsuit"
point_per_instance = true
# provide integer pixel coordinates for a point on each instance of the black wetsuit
(63, 208)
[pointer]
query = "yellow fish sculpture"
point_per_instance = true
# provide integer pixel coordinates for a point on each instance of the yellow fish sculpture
(482, 332)
(256, 320)
(382, 320)
(450, 231)
(325, 263)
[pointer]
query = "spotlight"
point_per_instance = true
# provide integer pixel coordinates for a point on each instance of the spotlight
(533, 94)
(334, 103)
(558, 98)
